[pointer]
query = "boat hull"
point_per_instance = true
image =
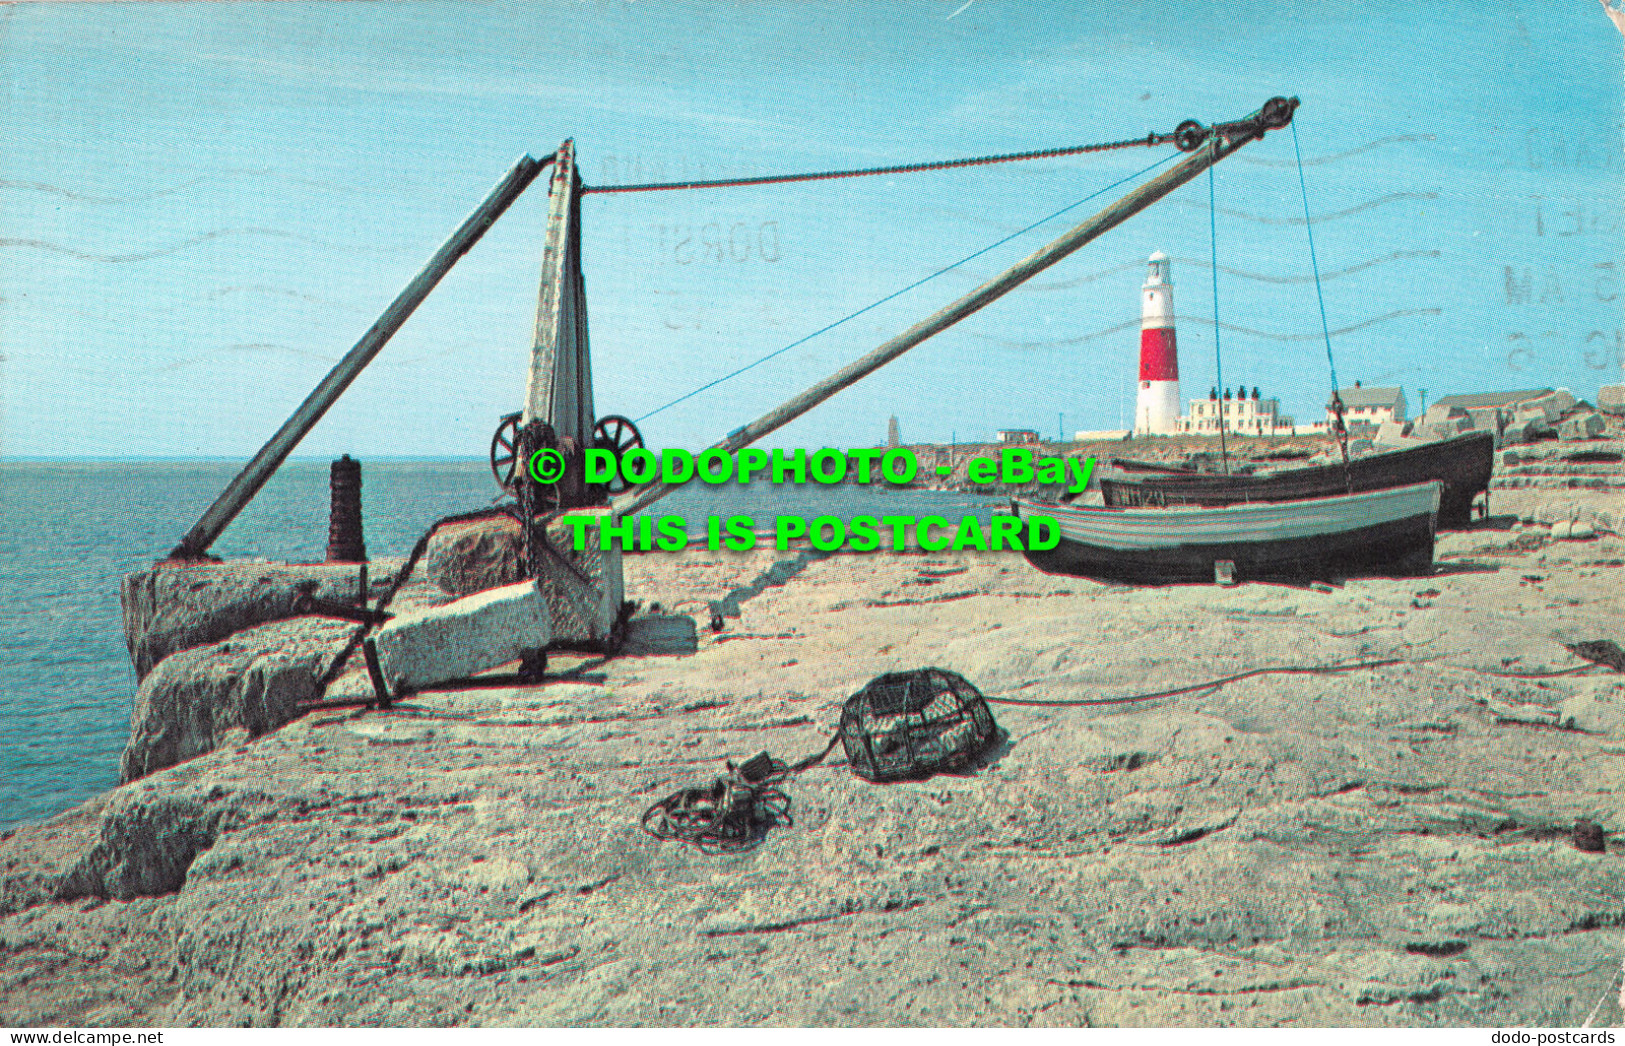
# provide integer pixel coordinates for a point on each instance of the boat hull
(1462, 464)
(1387, 532)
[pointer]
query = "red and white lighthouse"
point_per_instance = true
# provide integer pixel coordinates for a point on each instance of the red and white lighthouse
(1156, 408)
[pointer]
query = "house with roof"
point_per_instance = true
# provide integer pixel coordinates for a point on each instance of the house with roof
(1246, 416)
(1366, 408)
(1475, 400)
(1488, 410)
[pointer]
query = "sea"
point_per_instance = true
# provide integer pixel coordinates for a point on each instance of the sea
(70, 530)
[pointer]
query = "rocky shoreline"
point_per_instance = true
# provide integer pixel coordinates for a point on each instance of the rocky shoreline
(1403, 844)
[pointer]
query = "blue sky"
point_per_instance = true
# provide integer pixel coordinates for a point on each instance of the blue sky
(203, 205)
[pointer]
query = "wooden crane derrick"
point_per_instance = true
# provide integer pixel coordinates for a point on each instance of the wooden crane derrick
(538, 452)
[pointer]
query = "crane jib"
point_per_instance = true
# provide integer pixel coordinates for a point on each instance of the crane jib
(1212, 144)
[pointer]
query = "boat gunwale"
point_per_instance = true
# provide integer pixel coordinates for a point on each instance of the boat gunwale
(1259, 522)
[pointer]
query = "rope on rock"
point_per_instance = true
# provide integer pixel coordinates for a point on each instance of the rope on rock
(1213, 684)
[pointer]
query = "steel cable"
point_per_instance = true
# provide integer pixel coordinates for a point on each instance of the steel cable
(917, 283)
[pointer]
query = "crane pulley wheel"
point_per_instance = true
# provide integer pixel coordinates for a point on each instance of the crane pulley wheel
(1189, 136)
(616, 435)
(1277, 112)
(505, 450)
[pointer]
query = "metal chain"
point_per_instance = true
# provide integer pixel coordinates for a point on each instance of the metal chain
(1189, 134)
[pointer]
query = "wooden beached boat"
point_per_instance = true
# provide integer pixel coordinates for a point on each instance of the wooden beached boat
(1381, 532)
(1156, 467)
(1461, 464)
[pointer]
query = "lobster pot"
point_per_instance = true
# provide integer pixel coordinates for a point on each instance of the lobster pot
(913, 724)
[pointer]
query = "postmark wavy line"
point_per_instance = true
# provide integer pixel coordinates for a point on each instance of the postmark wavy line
(439, 352)
(1393, 197)
(276, 348)
(1262, 277)
(256, 348)
(1393, 139)
(230, 174)
(83, 197)
(1203, 263)
(1318, 335)
(1086, 278)
(202, 238)
(279, 292)
(1056, 343)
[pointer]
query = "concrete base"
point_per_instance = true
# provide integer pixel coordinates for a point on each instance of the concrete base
(470, 635)
(584, 589)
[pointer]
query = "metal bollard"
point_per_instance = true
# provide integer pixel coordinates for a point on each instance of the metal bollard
(344, 532)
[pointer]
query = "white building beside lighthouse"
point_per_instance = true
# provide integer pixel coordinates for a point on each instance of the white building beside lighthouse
(1243, 415)
(1156, 407)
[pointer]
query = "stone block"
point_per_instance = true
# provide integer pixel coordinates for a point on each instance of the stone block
(1486, 419)
(1390, 433)
(1582, 426)
(1611, 399)
(1553, 405)
(660, 634)
(469, 557)
(196, 700)
(1510, 457)
(178, 606)
(1443, 429)
(145, 847)
(1573, 530)
(468, 635)
(1513, 434)
(1437, 415)
(584, 587)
